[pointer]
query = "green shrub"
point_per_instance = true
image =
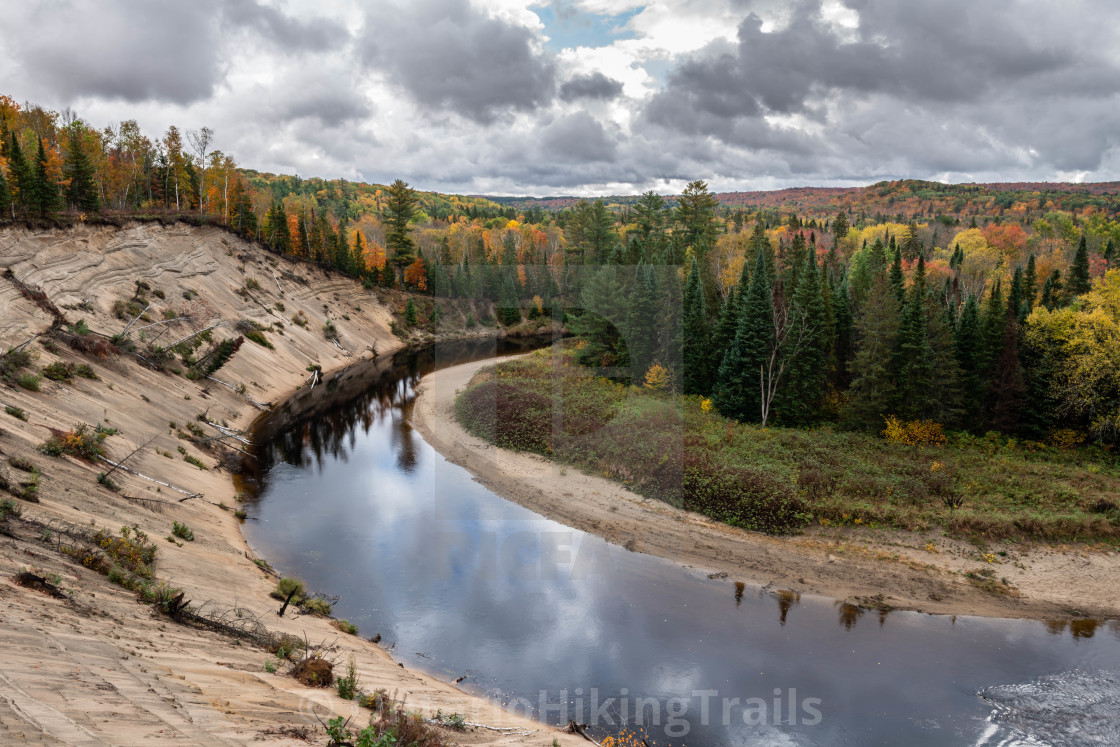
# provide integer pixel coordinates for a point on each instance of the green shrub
(16, 412)
(348, 685)
(286, 586)
(182, 531)
(258, 337)
(29, 381)
(80, 441)
(345, 626)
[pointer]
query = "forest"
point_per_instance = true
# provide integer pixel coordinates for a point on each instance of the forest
(908, 305)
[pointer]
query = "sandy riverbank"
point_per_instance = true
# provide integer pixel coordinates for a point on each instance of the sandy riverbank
(97, 666)
(868, 567)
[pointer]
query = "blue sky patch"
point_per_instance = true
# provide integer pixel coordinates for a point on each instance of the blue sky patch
(571, 28)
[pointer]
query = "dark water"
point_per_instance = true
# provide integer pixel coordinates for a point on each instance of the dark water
(556, 622)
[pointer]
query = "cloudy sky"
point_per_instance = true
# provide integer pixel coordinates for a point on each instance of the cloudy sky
(596, 96)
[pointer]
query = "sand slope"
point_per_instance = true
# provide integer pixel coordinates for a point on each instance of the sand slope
(99, 667)
(870, 567)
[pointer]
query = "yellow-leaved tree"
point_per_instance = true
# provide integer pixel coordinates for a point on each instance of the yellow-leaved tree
(1083, 344)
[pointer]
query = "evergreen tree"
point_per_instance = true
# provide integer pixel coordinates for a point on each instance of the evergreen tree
(1052, 290)
(737, 393)
(1110, 252)
(696, 210)
(44, 192)
(5, 198)
(697, 355)
(642, 321)
(805, 371)
(1016, 305)
(898, 282)
(724, 331)
(842, 315)
(509, 311)
(872, 392)
(1030, 284)
(914, 366)
(839, 227)
(400, 208)
(1007, 387)
(19, 175)
(968, 348)
(600, 324)
(82, 193)
(1079, 282)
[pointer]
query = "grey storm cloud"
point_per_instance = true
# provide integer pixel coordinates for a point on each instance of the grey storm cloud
(578, 137)
(592, 86)
(450, 55)
(144, 50)
(927, 87)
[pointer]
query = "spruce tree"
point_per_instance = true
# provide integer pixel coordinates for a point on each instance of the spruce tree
(5, 198)
(1079, 282)
(898, 282)
(44, 192)
(967, 342)
(1052, 290)
(915, 370)
(82, 192)
(697, 355)
(723, 334)
(842, 314)
(642, 321)
(509, 312)
(1030, 284)
(1110, 252)
(604, 315)
(737, 392)
(871, 395)
(800, 399)
(19, 175)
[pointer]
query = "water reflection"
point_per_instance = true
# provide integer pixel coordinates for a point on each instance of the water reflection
(463, 582)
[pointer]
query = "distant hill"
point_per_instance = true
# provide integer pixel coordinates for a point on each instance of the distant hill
(910, 198)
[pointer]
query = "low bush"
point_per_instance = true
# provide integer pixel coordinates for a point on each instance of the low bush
(16, 412)
(182, 531)
(81, 441)
(29, 381)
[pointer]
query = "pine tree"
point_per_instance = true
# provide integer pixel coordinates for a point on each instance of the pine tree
(642, 321)
(898, 281)
(839, 227)
(967, 342)
(400, 208)
(697, 355)
(5, 198)
(82, 193)
(1030, 284)
(871, 395)
(604, 315)
(805, 372)
(737, 392)
(44, 192)
(1110, 252)
(1007, 388)
(842, 314)
(19, 176)
(914, 366)
(723, 334)
(1079, 282)
(1051, 290)
(1016, 305)
(509, 312)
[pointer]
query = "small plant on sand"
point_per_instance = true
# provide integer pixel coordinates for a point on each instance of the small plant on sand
(106, 481)
(289, 586)
(16, 412)
(330, 331)
(270, 666)
(345, 626)
(29, 381)
(182, 531)
(349, 683)
(81, 441)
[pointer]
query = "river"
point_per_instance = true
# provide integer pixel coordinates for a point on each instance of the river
(560, 624)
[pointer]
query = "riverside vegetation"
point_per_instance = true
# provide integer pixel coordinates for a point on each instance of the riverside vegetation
(680, 450)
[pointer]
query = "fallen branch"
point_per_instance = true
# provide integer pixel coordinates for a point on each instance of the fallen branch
(130, 454)
(136, 319)
(277, 282)
(181, 340)
(250, 400)
(228, 432)
(21, 346)
(574, 728)
(131, 471)
(344, 350)
(163, 321)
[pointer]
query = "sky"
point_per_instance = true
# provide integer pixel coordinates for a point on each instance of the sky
(595, 97)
